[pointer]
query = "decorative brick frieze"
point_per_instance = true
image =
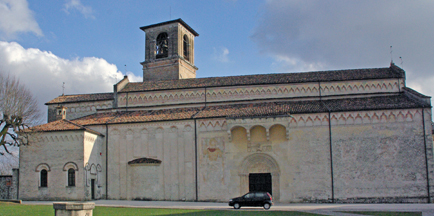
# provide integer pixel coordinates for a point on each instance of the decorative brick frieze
(58, 138)
(354, 118)
(237, 93)
(158, 98)
(357, 87)
(212, 125)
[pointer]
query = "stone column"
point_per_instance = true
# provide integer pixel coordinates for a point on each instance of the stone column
(73, 209)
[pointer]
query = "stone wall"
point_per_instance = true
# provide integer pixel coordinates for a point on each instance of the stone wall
(297, 158)
(94, 165)
(9, 185)
(235, 93)
(378, 156)
(174, 66)
(78, 109)
(170, 142)
(383, 160)
(55, 152)
(6, 187)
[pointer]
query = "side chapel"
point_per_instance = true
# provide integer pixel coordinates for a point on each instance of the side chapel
(357, 135)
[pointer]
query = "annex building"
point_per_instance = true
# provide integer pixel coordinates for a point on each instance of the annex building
(357, 135)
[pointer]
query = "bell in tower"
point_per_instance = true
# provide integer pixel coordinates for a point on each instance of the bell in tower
(169, 51)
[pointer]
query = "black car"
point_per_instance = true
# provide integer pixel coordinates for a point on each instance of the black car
(252, 199)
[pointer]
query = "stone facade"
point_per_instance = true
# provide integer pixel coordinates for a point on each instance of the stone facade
(9, 186)
(78, 109)
(344, 136)
(179, 63)
(57, 153)
(257, 92)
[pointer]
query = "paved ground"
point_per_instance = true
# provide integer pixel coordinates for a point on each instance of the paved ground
(325, 209)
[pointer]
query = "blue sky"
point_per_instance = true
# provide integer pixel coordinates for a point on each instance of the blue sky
(111, 31)
(87, 43)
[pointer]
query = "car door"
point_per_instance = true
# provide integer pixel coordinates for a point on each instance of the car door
(257, 200)
(248, 199)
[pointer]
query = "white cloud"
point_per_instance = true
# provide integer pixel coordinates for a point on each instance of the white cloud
(77, 5)
(423, 85)
(44, 73)
(16, 17)
(341, 34)
(285, 63)
(221, 54)
(348, 34)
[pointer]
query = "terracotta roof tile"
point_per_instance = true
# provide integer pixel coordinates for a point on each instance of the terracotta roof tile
(256, 110)
(263, 109)
(320, 76)
(156, 115)
(314, 106)
(59, 125)
(81, 98)
(97, 118)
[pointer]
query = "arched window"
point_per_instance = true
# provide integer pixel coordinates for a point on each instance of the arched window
(71, 177)
(162, 45)
(186, 47)
(44, 178)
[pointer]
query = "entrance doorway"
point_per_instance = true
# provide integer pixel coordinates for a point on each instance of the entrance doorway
(92, 188)
(260, 182)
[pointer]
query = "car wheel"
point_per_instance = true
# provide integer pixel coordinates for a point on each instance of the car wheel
(266, 206)
(237, 206)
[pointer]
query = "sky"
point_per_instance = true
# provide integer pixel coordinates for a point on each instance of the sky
(90, 45)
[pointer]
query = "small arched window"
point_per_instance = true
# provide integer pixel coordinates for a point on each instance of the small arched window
(44, 178)
(186, 48)
(71, 177)
(162, 47)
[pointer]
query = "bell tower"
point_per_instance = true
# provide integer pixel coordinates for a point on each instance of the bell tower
(169, 51)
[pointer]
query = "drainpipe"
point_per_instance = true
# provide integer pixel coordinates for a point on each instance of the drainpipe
(331, 152)
(106, 160)
(426, 156)
(195, 158)
(331, 157)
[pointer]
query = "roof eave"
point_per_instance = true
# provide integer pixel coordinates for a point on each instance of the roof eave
(143, 28)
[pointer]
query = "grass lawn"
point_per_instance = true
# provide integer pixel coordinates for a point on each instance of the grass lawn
(387, 213)
(13, 209)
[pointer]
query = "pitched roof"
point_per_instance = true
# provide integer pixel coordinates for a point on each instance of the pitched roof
(313, 106)
(60, 125)
(319, 76)
(143, 28)
(250, 110)
(81, 98)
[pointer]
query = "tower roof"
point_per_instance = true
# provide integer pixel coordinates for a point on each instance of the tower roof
(143, 28)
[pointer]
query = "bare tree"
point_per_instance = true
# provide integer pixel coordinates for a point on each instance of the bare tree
(18, 111)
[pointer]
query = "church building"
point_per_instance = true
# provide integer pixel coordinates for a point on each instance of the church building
(343, 136)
